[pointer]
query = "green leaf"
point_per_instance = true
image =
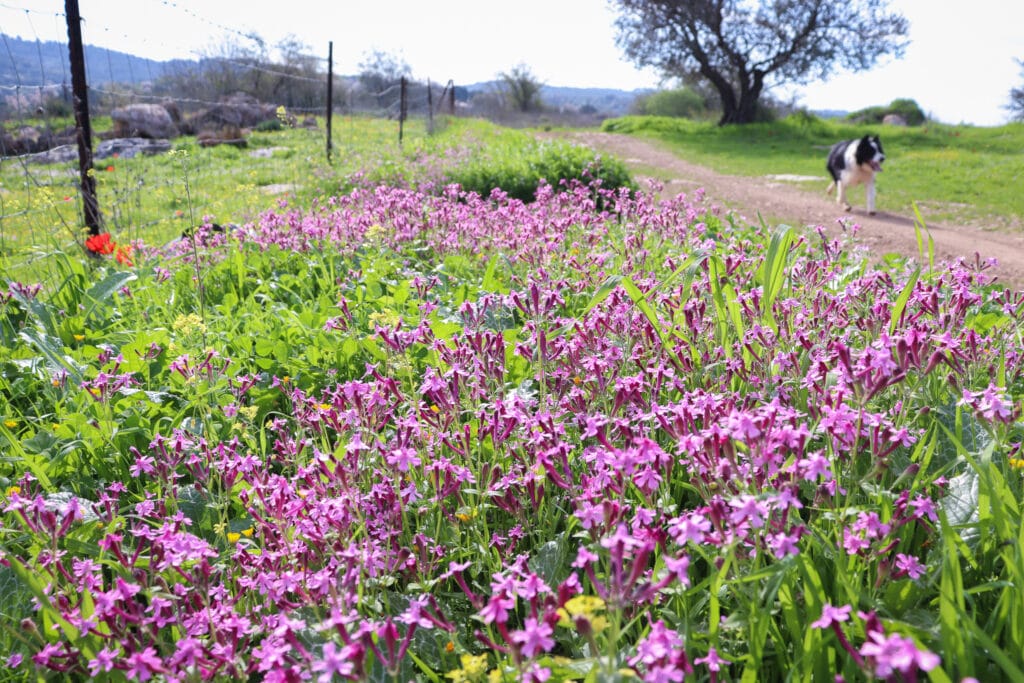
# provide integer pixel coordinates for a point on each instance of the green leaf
(105, 288)
(53, 352)
(901, 301)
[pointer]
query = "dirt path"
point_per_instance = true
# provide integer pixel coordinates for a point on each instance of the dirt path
(782, 202)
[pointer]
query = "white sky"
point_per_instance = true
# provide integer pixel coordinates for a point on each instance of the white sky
(959, 66)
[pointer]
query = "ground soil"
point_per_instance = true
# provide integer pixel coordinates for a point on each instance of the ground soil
(778, 201)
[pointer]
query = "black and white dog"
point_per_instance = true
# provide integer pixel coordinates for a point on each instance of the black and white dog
(852, 162)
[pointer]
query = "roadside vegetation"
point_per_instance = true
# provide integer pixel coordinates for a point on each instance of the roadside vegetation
(155, 199)
(390, 428)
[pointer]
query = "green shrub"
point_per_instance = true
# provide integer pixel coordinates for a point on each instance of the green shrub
(518, 168)
(680, 102)
(269, 125)
(908, 109)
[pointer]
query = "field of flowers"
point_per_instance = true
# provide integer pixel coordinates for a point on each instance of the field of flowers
(400, 436)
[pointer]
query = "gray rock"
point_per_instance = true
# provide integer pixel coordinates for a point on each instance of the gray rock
(125, 148)
(144, 121)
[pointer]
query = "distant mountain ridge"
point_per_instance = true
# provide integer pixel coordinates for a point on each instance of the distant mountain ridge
(33, 63)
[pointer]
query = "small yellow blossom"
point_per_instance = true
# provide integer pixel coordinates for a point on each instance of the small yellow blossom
(10, 424)
(186, 324)
(587, 606)
(11, 490)
(473, 669)
(79, 337)
(233, 537)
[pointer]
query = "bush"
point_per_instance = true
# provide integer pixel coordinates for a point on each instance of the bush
(519, 169)
(681, 102)
(908, 109)
(269, 125)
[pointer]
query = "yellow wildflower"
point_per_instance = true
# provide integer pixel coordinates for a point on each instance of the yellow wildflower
(473, 669)
(10, 424)
(586, 606)
(233, 537)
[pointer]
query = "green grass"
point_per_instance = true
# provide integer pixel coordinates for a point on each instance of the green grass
(955, 174)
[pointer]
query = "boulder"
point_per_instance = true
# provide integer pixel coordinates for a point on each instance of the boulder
(151, 121)
(894, 120)
(226, 135)
(240, 111)
(31, 140)
(58, 155)
(125, 148)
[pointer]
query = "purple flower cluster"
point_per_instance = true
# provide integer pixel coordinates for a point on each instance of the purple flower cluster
(597, 428)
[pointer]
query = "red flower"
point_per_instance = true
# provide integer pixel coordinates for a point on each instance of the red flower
(101, 244)
(110, 169)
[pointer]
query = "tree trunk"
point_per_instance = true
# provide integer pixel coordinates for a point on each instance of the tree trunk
(742, 109)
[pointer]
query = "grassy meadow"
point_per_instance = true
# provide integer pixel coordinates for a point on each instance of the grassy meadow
(955, 174)
(398, 425)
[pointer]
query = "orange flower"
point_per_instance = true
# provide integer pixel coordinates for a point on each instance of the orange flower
(101, 244)
(110, 169)
(124, 256)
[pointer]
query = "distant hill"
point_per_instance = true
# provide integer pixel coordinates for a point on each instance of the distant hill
(33, 63)
(606, 101)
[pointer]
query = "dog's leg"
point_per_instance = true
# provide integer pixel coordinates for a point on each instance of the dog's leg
(870, 191)
(841, 196)
(831, 186)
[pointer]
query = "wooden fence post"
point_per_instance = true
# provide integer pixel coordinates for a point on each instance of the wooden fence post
(430, 108)
(330, 94)
(80, 93)
(403, 108)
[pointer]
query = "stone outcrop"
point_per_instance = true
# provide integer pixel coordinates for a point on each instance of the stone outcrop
(151, 121)
(240, 111)
(30, 140)
(125, 148)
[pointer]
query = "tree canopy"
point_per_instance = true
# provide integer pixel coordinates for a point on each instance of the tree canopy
(741, 47)
(521, 88)
(1016, 105)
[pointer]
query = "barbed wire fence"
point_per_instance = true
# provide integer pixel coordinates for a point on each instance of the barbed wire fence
(40, 194)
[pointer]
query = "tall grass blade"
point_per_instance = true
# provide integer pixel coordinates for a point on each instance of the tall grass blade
(921, 227)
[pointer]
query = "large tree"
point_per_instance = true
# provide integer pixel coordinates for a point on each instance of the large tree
(740, 47)
(521, 89)
(1016, 105)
